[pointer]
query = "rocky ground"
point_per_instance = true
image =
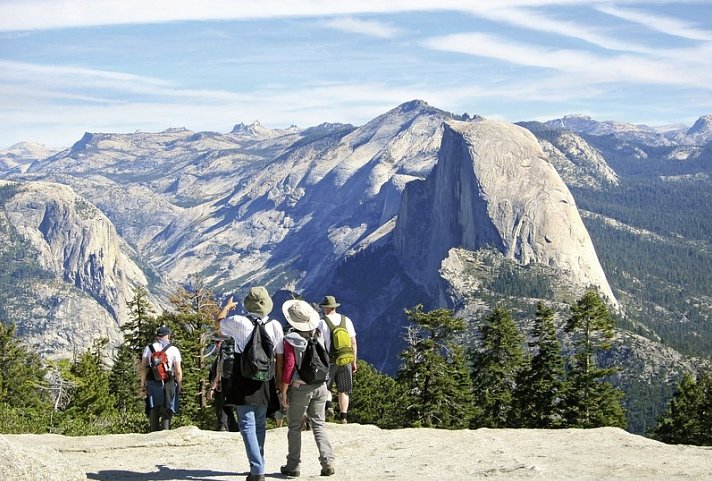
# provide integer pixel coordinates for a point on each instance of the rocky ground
(364, 453)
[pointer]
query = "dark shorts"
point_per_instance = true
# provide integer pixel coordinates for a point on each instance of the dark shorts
(342, 376)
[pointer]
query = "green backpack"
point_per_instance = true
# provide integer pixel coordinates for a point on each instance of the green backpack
(342, 352)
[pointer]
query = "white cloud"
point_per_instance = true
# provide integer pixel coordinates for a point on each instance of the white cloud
(668, 25)
(592, 68)
(371, 28)
(18, 15)
(532, 20)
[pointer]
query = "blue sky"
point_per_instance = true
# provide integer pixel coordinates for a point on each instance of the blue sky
(68, 67)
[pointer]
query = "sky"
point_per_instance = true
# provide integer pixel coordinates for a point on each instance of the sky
(69, 67)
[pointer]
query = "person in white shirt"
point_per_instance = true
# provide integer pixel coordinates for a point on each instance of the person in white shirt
(252, 397)
(341, 375)
(161, 395)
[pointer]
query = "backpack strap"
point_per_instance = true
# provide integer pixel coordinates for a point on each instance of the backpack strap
(331, 325)
(153, 349)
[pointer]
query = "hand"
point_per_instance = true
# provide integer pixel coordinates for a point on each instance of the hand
(142, 392)
(354, 367)
(283, 399)
(230, 304)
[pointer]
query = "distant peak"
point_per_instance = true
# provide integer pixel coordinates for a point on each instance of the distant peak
(577, 117)
(702, 126)
(82, 143)
(252, 129)
(413, 105)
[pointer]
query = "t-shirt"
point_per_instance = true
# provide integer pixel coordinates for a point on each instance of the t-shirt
(172, 353)
(335, 318)
(248, 391)
(240, 328)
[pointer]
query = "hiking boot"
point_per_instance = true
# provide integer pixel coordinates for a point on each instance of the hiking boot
(292, 473)
(327, 470)
(342, 418)
(256, 477)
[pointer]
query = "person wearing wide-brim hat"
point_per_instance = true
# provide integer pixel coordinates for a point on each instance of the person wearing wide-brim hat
(342, 374)
(298, 396)
(252, 397)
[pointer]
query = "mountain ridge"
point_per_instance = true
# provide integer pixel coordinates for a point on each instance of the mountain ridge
(315, 211)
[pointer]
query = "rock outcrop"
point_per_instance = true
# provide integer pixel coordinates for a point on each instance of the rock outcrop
(365, 453)
(72, 261)
(494, 188)
(35, 462)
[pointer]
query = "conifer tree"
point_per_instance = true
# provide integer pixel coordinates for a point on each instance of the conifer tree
(592, 401)
(192, 325)
(124, 381)
(21, 372)
(541, 387)
(496, 364)
(139, 330)
(686, 419)
(433, 371)
(376, 398)
(92, 397)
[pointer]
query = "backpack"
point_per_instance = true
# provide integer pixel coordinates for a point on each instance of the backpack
(226, 358)
(159, 363)
(342, 352)
(257, 359)
(314, 366)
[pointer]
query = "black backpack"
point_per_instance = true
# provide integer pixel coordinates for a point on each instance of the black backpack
(226, 358)
(257, 359)
(314, 367)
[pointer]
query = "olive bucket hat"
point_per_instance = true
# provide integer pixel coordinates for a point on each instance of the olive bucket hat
(258, 301)
(329, 301)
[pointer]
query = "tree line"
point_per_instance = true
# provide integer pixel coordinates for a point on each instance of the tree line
(496, 380)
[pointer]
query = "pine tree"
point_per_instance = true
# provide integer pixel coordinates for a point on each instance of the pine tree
(124, 381)
(376, 398)
(21, 372)
(92, 398)
(496, 364)
(433, 371)
(540, 388)
(197, 308)
(686, 419)
(139, 330)
(592, 401)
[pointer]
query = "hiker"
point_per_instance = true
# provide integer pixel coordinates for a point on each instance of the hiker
(343, 356)
(251, 396)
(303, 392)
(219, 387)
(161, 376)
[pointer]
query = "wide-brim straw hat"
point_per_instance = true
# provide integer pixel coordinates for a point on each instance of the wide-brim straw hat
(300, 315)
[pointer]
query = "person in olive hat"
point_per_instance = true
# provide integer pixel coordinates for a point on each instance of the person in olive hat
(161, 395)
(341, 374)
(252, 398)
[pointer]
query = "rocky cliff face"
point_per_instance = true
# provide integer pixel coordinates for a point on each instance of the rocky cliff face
(577, 163)
(83, 276)
(493, 187)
